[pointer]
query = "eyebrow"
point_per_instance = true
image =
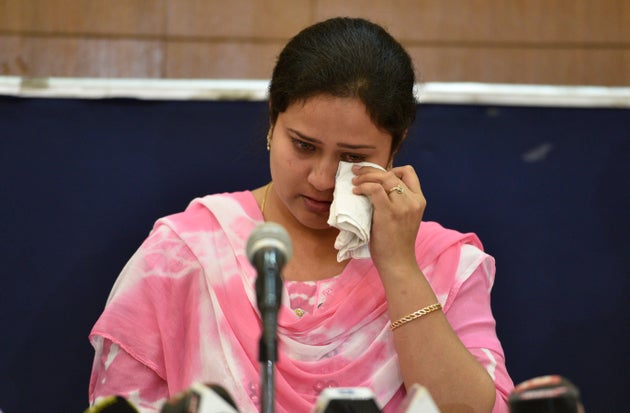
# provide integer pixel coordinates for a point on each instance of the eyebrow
(341, 145)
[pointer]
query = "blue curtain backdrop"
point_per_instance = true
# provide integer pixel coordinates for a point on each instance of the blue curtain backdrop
(82, 181)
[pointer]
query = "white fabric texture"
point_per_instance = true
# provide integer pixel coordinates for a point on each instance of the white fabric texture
(351, 214)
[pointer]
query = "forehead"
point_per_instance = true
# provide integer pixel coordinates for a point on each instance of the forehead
(330, 117)
(322, 102)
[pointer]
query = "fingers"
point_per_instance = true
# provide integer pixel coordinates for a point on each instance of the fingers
(408, 175)
(398, 210)
(396, 181)
(398, 188)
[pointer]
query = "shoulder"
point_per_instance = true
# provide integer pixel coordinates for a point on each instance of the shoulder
(449, 257)
(213, 224)
(210, 211)
(188, 240)
(433, 240)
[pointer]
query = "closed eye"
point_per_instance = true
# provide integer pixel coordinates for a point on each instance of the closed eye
(352, 157)
(302, 146)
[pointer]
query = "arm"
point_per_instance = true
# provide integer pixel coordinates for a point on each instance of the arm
(139, 339)
(431, 354)
(429, 351)
(471, 318)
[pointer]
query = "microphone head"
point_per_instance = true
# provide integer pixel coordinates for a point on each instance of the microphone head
(346, 400)
(112, 404)
(549, 394)
(201, 398)
(222, 392)
(269, 235)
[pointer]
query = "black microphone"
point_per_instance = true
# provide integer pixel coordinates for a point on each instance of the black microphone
(112, 404)
(548, 394)
(268, 249)
(201, 398)
(346, 400)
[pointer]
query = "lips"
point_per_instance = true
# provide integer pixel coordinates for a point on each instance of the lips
(315, 205)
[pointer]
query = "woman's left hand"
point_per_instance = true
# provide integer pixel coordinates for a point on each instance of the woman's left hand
(398, 209)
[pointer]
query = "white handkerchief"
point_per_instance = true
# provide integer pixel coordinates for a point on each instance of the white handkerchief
(351, 214)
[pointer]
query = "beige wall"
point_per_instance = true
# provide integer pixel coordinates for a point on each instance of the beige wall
(573, 42)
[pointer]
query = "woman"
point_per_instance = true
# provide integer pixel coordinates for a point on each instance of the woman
(417, 311)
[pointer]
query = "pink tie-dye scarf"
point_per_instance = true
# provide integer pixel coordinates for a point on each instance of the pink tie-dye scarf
(185, 306)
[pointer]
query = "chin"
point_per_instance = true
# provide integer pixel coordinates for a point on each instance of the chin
(316, 223)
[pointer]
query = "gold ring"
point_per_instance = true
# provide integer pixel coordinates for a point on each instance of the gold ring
(398, 188)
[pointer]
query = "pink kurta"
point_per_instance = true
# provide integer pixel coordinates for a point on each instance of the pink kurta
(184, 309)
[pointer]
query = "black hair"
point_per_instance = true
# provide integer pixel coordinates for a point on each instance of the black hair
(348, 57)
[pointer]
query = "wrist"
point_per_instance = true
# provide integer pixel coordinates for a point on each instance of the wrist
(407, 286)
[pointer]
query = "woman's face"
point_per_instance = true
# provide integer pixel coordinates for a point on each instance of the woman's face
(309, 139)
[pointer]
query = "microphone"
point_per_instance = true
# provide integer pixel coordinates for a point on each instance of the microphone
(268, 249)
(201, 398)
(112, 404)
(549, 394)
(417, 400)
(346, 400)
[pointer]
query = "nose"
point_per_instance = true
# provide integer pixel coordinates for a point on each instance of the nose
(322, 174)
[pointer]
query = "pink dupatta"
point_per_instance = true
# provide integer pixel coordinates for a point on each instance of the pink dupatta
(185, 306)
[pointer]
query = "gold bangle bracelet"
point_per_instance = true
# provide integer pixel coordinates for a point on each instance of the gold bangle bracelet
(417, 314)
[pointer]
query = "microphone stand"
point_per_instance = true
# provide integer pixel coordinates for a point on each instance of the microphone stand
(269, 304)
(268, 380)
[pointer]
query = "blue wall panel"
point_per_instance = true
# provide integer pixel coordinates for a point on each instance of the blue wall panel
(82, 181)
